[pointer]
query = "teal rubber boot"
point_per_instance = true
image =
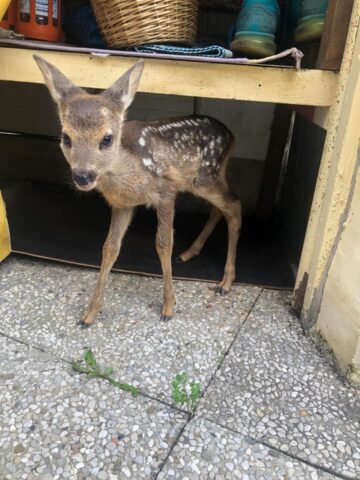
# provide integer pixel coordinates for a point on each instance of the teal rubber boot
(311, 21)
(255, 28)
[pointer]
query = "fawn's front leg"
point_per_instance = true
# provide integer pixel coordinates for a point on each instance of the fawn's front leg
(164, 244)
(120, 220)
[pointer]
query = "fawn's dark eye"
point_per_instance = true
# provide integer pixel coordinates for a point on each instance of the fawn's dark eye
(66, 140)
(106, 141)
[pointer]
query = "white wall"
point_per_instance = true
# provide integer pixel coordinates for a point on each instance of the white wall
(339, 318)
(249, 122)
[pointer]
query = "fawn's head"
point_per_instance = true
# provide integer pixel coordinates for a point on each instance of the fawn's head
(91, 124)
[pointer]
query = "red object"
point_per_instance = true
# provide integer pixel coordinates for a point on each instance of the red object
(9, 18)
(37, 24)
(305, 110)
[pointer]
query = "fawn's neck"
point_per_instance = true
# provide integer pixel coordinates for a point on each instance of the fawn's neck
(127, 183)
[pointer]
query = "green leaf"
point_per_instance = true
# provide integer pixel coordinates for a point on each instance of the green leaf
(133, 390)
(176, 395)
(195, 391)
(179, 396)
(90, 359)
(181, 377)
(125, 386)
(95, 372)
(175, 385)
(114, 382)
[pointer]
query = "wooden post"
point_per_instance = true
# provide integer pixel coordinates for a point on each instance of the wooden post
(273, 162)
(335, 183)
(334, 35)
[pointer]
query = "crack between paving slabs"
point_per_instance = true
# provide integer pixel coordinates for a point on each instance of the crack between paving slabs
(286, 454)
(229, 348)
(68, 362)
(172, 406)
(176, 441)
(193, 414)
(317, 467)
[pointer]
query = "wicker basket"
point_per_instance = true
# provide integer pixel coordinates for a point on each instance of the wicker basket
(126, 23)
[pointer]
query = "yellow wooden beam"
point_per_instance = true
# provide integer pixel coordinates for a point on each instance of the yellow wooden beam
(321, 117)
(336, 180)
(5, 247)
(195, 79)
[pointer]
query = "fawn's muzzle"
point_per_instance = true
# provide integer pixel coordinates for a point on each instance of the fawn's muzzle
(84, 178)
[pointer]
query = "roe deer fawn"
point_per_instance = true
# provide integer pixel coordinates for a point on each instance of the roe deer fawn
(144, 163)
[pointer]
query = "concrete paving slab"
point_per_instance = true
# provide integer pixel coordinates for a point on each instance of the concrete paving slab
(206, 451)
(55, 424)
(40, 303)
(278, 387)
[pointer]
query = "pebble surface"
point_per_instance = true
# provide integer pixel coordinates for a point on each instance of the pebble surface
(274, 406)
(278, 387)
(207, 451)
(56, 424)
(41, 302)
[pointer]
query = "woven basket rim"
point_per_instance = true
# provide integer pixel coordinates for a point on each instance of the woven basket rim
(127, 23)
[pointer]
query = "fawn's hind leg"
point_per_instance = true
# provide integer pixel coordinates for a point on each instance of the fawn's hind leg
(233, 218)
(195, 249)
(230, 206)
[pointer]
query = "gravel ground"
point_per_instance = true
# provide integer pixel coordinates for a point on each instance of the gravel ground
(56, 424)
(40, 304)
(207, 451)
(273, 405)
(277, 387)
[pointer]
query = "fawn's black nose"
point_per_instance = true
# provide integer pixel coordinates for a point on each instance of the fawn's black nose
(83, 177)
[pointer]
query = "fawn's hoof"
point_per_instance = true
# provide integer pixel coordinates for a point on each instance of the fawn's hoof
(82, 324)
(221, 291)
(165, 318)
(178, 259)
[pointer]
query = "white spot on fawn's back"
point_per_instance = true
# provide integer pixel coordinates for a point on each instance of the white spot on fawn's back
(142, 141)
(147, 162)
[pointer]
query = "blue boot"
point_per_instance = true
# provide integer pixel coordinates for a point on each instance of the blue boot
(311, 21)
(255, 28)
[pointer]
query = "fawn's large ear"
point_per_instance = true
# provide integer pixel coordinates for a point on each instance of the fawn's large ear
(122, 92)
(59, 85)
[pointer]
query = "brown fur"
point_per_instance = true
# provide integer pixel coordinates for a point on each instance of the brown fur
(147, 163)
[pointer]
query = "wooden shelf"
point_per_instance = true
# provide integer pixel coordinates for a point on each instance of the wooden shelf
(196, 79)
